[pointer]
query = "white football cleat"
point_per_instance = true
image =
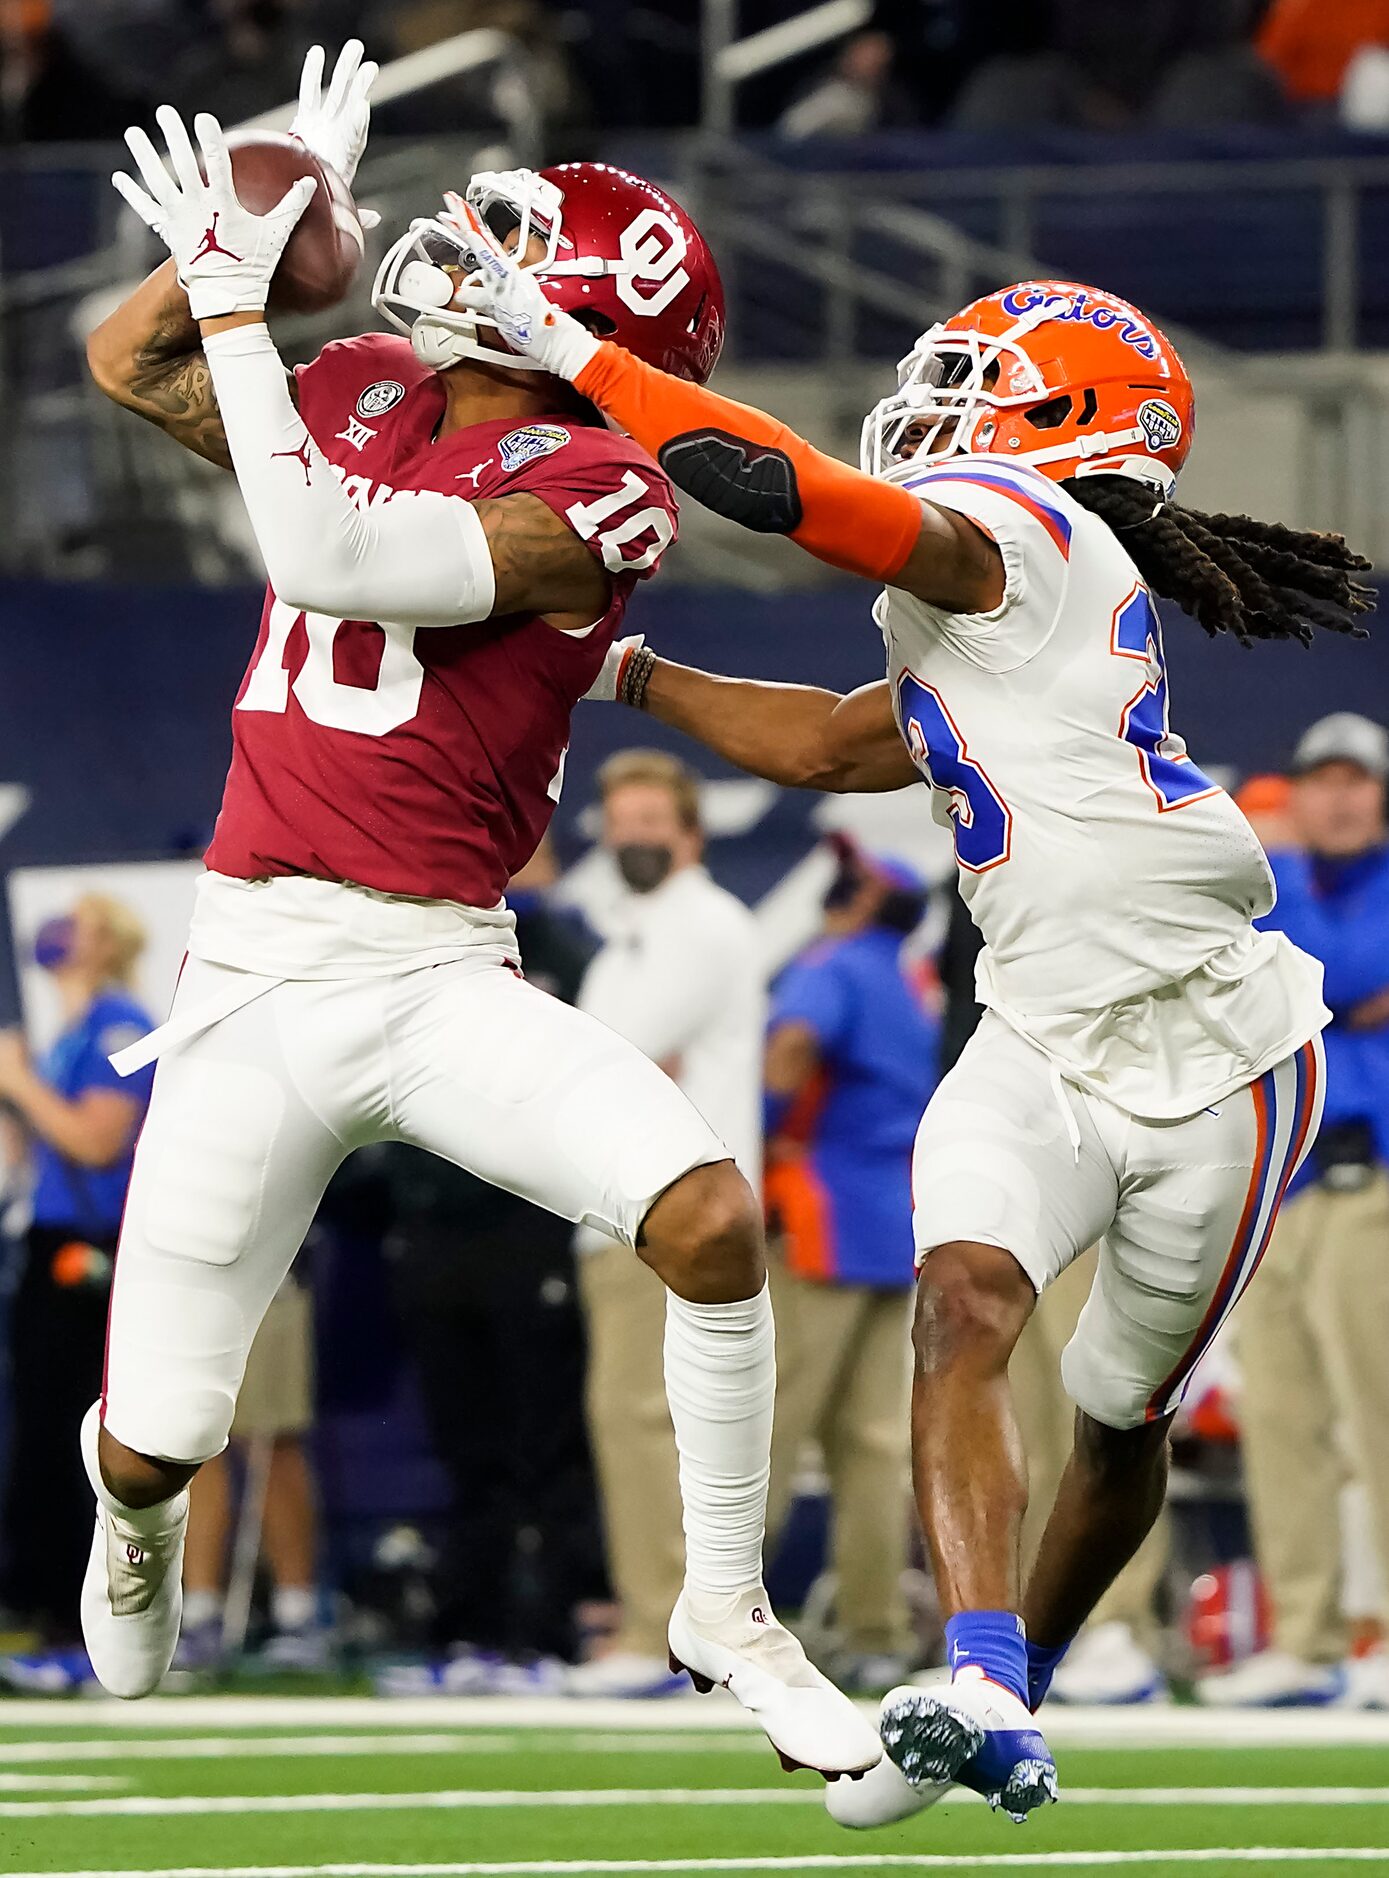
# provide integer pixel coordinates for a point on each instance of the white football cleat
(132, 1595)
(884, 1795)
(1272, 1679)
(626, 1675)
(747, 1652)
(974, 1732)
(1107, 1666)
(1367, 1681)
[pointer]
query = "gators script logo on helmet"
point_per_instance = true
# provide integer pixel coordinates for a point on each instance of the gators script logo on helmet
(610, 248)
(1067, 378)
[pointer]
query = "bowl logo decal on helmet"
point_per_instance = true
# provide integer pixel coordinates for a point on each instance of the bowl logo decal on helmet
(1161, 425)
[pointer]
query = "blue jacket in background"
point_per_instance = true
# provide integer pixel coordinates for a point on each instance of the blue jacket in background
(843, 1198)
(1339, 912)
(89, 1199)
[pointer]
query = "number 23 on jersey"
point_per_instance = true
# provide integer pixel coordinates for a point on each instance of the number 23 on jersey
(983, 821)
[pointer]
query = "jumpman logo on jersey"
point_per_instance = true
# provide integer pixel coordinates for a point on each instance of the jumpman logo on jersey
(301, 457)
(476, 474)
(211, 245)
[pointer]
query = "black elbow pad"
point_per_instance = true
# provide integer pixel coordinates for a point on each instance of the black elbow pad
(750, 485)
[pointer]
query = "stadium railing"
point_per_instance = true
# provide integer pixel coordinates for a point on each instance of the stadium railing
(830, 271)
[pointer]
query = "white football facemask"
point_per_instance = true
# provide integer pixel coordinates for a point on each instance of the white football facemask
(420, 273)
(943, 391)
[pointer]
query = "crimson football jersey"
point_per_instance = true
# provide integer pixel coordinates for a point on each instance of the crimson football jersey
(427, 761)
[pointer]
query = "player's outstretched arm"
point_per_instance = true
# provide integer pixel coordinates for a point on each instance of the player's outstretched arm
(796, 735)
(419, 559)
(736, 460)
(756, 471)
(147, 356)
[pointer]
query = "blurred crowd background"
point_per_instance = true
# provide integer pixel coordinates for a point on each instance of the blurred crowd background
(79, 68)
(452, 1467)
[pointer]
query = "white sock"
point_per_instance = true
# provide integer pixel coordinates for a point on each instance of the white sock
(293, 1607)
(143, 1522)
(721, 1380)
(201, 1607)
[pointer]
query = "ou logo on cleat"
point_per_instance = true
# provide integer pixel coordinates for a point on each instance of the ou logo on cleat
(759, 1616)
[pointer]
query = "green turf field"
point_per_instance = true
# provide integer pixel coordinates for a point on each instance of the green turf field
(226, 1786)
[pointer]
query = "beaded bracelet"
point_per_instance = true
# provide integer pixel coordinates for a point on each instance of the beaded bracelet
(636, 676)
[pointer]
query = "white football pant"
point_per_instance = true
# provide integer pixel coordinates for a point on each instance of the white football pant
(1010, 1153)
(251, 1116)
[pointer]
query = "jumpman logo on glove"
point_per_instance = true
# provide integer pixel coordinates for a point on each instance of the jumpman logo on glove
(211, 245)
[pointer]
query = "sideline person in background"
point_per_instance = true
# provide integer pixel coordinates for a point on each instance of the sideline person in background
(680, 976)
(478, 1275)
(81, 1120)
(1314, 1333)
(1265, 801)
(852, 1050)
(1114, 1660)
(274, 1414)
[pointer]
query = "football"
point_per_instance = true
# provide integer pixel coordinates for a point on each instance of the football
(319, 265)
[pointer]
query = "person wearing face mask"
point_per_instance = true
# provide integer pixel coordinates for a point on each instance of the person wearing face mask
(81, 1121)
(1311, 1343)
(680, 976)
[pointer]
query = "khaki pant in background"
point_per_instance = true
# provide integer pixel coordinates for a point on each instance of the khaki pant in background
(1313, 1344)
(1046, 1417)
(844, 1379)
(633, 1441)
(276, 1396)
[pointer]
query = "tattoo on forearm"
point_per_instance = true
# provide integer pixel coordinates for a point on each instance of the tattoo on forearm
(540, 564)
(176, 393)
(170, 384)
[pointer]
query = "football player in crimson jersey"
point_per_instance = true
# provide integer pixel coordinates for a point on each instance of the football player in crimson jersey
(451, 538)
(1148, 1069)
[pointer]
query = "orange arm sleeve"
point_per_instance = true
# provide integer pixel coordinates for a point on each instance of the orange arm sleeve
(746, 466)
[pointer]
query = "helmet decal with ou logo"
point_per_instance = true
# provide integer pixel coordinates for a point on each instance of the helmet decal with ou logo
(618, 251)
(653, 246)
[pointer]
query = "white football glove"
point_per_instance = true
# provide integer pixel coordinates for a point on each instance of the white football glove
(513, 299)
(335, 125)
(603, 690)
(225, 255)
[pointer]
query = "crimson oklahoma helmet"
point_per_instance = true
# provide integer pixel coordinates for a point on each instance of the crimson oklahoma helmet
(618, 253)
(1067, 378)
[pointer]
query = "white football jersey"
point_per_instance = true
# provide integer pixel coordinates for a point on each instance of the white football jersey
(1114, 882)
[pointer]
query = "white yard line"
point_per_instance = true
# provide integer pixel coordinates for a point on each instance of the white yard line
(59, 1783)
(503, 1799)
(1157, 1726)
(266, 1747)
(822, 1861)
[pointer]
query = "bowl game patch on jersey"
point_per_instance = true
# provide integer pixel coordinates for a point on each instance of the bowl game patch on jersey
(530, 442)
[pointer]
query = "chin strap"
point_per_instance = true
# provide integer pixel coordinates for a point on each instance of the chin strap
(1103, 454)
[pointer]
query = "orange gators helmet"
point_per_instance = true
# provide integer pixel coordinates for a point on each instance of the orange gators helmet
(1067, 378)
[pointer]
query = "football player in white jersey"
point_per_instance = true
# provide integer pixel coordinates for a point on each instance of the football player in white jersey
(1148, 1071)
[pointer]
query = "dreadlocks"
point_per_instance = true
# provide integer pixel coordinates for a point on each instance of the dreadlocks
(1257, 580)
